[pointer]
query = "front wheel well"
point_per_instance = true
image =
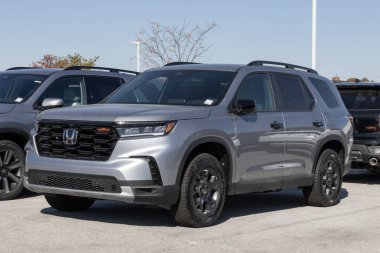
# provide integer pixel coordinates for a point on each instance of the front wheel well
(213, 148)
(19, 139)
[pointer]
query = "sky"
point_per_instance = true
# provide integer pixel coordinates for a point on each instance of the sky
(348, 31)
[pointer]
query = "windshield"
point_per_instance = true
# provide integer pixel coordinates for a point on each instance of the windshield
(175, 87)
(361, 99)
(16, 88)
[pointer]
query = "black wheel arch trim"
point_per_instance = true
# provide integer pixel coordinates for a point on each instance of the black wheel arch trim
(204, 140)
(327, 139)
(13, 131)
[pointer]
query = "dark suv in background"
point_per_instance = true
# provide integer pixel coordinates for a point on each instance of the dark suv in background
(363, 102)
(26, 91)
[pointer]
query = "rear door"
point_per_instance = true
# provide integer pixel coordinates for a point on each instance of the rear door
(260, 135)
(304, 127)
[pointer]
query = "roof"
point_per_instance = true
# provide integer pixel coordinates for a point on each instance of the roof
(262, 65)
(216, 67)
(34, 71)
(359, 84)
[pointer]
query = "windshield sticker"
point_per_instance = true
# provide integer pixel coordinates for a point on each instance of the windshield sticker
(208, 102)
(18, 100)
(36, 81)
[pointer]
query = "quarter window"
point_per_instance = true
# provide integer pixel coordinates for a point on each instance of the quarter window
(325, 91)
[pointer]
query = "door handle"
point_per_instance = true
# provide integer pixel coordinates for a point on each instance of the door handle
(318, 123)
(276, 125)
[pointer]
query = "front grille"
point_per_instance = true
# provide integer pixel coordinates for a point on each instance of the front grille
(91, 144)
(74, 181)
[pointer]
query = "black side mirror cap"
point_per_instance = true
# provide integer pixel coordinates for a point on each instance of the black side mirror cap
(244, 106)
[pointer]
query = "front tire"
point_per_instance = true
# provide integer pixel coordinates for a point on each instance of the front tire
(68, 203)
(327, 181)
(12, 164)
(203, 192)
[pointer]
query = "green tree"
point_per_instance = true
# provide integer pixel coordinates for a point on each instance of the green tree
(53, 61)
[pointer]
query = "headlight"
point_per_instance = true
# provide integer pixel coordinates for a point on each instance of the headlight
(145, 129)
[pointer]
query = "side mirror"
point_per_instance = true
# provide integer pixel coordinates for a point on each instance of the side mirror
(50, 103)
(244, 106)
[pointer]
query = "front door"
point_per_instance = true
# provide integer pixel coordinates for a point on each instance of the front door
(259, 137)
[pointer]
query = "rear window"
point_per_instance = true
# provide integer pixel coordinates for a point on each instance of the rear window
(324, 89)
(361, 98)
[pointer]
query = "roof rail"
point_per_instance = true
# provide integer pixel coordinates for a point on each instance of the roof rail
(180, 63)
(16, 68)
(286, 65)
(101, 68)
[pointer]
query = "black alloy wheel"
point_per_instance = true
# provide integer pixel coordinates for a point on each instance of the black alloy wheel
(206, 191)
(11, 170)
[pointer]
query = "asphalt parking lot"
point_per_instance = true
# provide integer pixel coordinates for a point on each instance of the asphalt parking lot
(271, 222)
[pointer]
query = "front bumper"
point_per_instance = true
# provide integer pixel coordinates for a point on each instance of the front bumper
(141, 171)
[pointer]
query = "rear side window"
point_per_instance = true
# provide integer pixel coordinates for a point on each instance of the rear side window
(324, 89)
(98, 88)
(292, 93)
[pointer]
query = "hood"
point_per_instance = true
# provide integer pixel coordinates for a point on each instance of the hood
(6, 108)
(127, 113)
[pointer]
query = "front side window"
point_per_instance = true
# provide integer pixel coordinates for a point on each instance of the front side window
(361, 98)
(292, 94)
(16, 88)
(175, 87)
(70, 89)
(257, 87)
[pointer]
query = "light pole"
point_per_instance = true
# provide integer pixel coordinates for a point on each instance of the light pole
(137, 43)
(314, 37)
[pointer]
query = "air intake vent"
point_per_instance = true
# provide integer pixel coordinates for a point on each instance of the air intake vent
(74, 181)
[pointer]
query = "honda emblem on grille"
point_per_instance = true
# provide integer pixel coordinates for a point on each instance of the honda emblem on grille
(70, 136)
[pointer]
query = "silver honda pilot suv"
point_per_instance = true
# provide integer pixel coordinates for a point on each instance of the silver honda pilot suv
(185, 136)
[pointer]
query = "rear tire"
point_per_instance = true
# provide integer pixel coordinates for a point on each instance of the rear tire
(203, 191)
(327, 181)
(68, 203)
(12, 167)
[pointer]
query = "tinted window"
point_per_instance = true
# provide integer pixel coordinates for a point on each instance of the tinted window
(16, 88)
(70, 89)
(98, 88)
(176, 87)
(257, 87)
(325, 91)
(361, 98)
(292, 94)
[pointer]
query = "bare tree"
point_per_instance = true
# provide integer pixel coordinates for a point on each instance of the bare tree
(164, 44)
